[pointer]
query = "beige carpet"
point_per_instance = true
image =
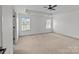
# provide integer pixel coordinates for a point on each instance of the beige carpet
(49, 43)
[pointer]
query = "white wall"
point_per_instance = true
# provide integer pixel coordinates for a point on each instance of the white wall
(67, 23)
(0, 25)
(7, 28)
(38, 25)
(38, 21)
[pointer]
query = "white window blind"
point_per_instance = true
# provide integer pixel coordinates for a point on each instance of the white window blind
(48, 23)
(25, 23)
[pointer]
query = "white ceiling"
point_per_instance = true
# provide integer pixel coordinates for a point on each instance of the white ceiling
(66, 8)
(59, 8)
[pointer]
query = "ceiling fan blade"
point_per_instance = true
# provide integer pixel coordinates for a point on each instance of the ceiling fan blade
(53, 9)
(54, 6)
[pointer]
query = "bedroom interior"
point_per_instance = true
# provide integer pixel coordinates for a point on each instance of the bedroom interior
(39, 29)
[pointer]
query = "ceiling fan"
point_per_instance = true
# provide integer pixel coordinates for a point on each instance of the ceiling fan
(51, 7)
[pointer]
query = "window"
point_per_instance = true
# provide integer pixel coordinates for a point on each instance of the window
(25, 23)
(48, 24)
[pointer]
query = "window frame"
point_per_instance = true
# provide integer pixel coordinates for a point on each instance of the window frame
(20, 19)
